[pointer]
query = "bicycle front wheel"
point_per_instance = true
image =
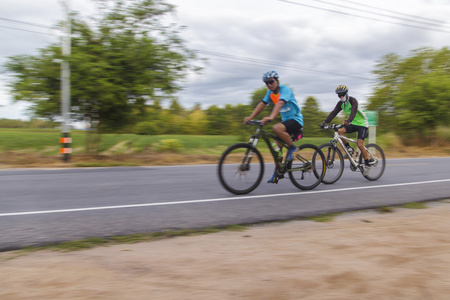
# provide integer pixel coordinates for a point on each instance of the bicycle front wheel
(241, 169)
(334, 163)
(377, 162)
(307, 169)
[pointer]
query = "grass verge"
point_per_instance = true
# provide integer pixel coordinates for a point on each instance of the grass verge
(89, 243)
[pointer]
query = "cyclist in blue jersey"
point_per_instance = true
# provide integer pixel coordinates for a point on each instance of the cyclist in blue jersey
(286, 105)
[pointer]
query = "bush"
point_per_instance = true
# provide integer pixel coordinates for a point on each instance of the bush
(389, 140)
(171, 145)
(147, 128)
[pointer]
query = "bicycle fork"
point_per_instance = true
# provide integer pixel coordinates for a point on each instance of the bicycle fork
(330, 155)
(245, 164)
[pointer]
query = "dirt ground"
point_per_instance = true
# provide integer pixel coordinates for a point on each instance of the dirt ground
(362, 255)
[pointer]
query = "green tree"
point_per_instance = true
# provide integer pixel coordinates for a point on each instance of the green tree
(312, 117)
(147, 128)
(171, 123)
(412, 94)
(257, 96)
(217, 124)
(176, 108)
(196, 122)
(121, 59)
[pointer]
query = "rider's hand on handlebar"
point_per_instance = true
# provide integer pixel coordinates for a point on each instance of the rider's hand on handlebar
(322, 126)
(266, 120)
(246, 119)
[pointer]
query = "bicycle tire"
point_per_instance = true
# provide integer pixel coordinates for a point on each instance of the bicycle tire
(375, 152)
(240, 168)
(334, 163)
(307, 169)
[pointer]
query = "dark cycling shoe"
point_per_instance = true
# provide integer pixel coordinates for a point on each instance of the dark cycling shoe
(275, 178)
(290, 154)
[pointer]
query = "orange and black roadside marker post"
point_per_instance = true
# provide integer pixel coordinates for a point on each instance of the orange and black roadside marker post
(65, 149)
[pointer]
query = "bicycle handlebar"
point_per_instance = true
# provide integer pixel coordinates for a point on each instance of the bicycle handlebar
(254, 122)
(332, 126)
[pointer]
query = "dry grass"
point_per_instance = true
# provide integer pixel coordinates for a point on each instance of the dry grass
(412, 152)
(24, 159)
(31, 160)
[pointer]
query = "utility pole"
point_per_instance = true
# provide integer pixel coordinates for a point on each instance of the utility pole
(65, 140)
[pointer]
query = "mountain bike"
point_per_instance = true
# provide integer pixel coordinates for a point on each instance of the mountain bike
(335, 159)
(241, 166)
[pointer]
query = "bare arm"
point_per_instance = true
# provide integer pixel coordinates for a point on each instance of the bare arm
(275, 111)
(259, 108)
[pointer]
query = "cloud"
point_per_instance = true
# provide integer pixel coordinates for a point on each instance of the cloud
(322, 48)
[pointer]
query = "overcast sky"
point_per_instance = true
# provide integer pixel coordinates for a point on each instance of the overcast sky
(313, 45)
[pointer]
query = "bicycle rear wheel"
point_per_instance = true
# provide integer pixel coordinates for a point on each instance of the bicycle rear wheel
(334, 163)
(377, 161)
(307, 169)
(241, 169)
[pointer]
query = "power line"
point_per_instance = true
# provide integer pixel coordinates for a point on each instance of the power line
(260, 62)
(225, 57)
(28, 24)
(380, 14)
(364, 17)
(24, 22)
(396, 12)
(26, 30)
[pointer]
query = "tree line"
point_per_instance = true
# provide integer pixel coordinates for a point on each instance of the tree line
(215, 120)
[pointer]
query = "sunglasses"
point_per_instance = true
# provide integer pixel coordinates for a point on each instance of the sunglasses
(341, 94)
(269, 82)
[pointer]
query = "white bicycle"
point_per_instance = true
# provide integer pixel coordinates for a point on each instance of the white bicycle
(335, 159)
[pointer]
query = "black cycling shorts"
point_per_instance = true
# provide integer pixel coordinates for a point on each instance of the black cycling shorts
(292, 126)
(363, 132)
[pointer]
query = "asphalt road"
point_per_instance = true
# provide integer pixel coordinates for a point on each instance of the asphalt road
(39, 206)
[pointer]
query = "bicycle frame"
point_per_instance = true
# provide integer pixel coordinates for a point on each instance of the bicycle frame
(338, 138)
(267, 136)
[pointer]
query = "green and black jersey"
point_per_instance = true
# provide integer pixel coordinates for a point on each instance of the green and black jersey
(351, 108)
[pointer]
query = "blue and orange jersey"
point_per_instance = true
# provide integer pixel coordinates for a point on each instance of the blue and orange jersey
(290, 109)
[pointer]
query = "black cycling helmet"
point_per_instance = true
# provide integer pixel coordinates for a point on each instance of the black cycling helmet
(341, 90)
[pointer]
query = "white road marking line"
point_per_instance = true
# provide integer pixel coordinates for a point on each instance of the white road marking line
(216, 199)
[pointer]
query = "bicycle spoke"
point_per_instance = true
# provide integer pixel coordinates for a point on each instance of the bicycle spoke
(334, 163)
(377, 162)
(243, 177)
(308, 167)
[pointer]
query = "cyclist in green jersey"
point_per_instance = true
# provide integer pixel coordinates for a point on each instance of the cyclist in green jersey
(356, 122)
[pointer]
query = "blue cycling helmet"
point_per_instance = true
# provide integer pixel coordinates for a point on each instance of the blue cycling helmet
(270, 75)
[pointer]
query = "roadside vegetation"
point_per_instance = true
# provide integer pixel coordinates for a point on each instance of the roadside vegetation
(39, 147)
